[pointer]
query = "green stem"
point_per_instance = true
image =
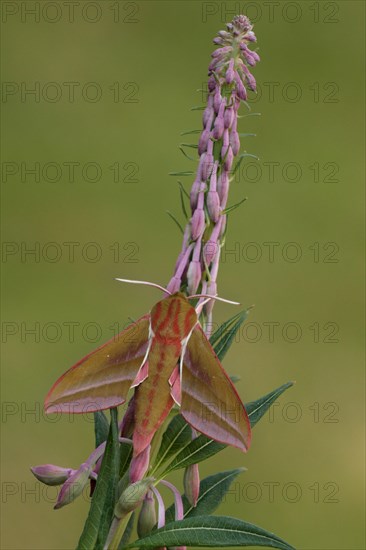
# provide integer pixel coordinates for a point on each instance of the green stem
(116, 531)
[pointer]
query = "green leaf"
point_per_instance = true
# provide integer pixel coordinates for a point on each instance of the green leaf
(191, 145)
(101, 509)
(125, 458)
(183, 193)
(223, 337)
(191, 132)
(256, 409)
(250, 114)
(101, 428)
(187, 173)
(198, 108)
(211, 531)
(175, 221)
(202, 447)
(176, 436)
(198, 449)
(234, 206)
(185, 154)
(212, 491)
(237, 165)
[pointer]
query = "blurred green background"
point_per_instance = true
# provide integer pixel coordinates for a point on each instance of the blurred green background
(114, 84)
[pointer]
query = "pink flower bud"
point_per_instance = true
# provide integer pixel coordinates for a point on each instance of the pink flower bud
(228, 117)
(221, 51)
(248, 77)
(51, 474)
(207, 165)
(219, 122)
(235, 142)
(218, 127)
(240, 88)
(139, 465)
(208, 113)
(217, 99)
(213, 205)
(174, 285)
(250, 58)
(192, 484)
(223, 188)
(225, 143)
(251, 36)
(73, 487)
(214, 63)
(229, 76)
(147, 517)
(211, 85)
(193, 196)
(197, 223)
(194, 275)
(202, 144)
(229, 159)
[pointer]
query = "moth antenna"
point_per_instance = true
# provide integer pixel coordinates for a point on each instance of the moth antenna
(213, 298)
(147, 283)
(199, 306)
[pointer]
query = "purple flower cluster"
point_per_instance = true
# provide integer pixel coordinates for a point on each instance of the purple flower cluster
(219, 143)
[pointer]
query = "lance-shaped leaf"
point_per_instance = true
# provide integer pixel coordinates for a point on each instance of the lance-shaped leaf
(186, 173)
(198, 449)
(212, 532)
(212, 490)
(256, 409)
(176, 436)
(223, 337)
(203, 447)
(103, 497)
(101, 427)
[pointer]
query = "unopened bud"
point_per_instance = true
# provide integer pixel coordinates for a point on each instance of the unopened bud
(240, 88)
(192, 484)
(229, 159)
(73, 487)
(225, 143)
(203, 141)
(235, 142)
(213, 205)
(229, 76)
(228, 117)
(51, 474)
(194, 275)
(223, 187)
(197, 223)
(217, 100)
(221, 51)
(132, 497)
(147, 517)
(207, 165)
(174, 285)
